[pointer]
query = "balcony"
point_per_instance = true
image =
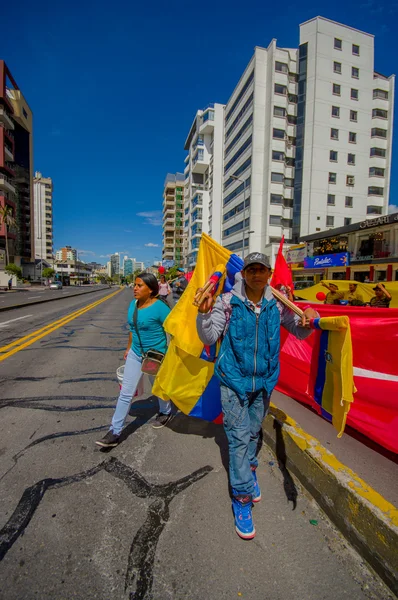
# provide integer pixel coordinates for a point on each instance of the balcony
(6, 119)
(198, 164)
(8, 155)
(207, 125)
(6, 184)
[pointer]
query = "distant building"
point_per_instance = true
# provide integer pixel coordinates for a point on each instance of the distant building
(43, 216)
(72, 272)
(115, 264)
(174, 241)
(128, 266)
(139, 266)
(66, 253)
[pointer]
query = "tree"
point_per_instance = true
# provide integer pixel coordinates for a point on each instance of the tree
(48, 272)
(172, 273)
(7, 219)
(13, 269)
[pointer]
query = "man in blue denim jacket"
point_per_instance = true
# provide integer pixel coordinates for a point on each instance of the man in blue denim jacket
(248, 321)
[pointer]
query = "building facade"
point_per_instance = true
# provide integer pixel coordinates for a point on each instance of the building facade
(43, 216)
(115, 264)
(66, 253)
(344, 129)
(72, 272)
(174, 240)
(128, 266)
(203, 179)
(371, 246)
(16, 171)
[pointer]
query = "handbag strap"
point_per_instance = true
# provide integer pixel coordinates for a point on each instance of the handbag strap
(135, 315)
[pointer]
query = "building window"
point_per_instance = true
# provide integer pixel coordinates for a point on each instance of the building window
(331, 199)
(293, 77)
(375, 191)
(25, 114)
(338, 44)
(355, 72)
(376, 172)
(374, 210)
(379, 113)
(240, 96)
(351, 159)
(280, 89)
(349, 201)
(276, 155)
(289, 182)
(290, 161)
(334, 134)
(352, 137)
(332, 177)
(277, 177)
(275, 220)
(238, 153)
(293, 98)
(336, 89)
(279, 111)
(354, 116)
(292, 119)
(333, 155)
(355, 50)
(281, 67)
(350, 180)
(336, 111)
(381, 152)
(278, 134)
(337, 67)
(276, 199)
(354, 94)
(347, 221)
(382, 94)
(329, 221)
(377, 132)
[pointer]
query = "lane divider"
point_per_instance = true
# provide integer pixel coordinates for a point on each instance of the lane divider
(27, 340)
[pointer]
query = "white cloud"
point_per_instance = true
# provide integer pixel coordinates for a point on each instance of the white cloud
(150, 245)
(153, 217)
(104, 255)
(393, 208)
(88, 252)
(127, 231)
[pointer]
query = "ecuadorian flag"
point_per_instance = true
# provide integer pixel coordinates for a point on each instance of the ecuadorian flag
(187, 373)
(331, 383)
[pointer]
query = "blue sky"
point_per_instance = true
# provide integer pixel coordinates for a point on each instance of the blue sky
(114, 87)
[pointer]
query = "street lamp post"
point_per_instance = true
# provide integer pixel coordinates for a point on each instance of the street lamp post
(244, 212)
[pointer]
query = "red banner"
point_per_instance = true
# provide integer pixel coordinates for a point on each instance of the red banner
(374, 331)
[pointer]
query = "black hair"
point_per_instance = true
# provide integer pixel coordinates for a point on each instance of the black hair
(150, 280)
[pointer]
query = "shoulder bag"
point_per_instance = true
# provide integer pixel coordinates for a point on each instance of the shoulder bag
(152, 359)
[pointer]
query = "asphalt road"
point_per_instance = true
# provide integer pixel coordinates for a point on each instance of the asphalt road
(37, 294)
(151, 519)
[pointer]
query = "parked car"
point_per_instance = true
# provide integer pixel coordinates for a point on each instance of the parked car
(56, 285)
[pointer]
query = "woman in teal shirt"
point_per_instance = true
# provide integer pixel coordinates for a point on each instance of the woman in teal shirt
(151, 314)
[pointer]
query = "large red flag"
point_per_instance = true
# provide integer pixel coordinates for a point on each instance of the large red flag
(282, 274)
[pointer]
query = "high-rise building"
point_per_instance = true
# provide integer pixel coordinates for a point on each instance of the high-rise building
(115, 264)
(308, 136)
(66, 253)
(139, 266)
(173, 226)
(128, 266)
(43, 216)
(203, 179)
(16, 168)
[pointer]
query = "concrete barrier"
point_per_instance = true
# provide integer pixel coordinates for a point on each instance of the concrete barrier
(366, 519)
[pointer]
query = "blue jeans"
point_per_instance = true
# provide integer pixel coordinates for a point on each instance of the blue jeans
(131, 379)
(242, 424)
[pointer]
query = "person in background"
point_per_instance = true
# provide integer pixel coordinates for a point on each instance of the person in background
(247, 320)
(164, 288)
(367, 280)
(353, 296)
(150, 316)
(382, 298)
(180, 285)
(334, 295)
(10, 283)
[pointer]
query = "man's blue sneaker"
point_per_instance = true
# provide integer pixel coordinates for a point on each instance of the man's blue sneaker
(242, 507)
(257, 491)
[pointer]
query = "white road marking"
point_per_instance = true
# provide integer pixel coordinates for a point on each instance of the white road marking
(12, 320)
(31, 297)
(374, 374)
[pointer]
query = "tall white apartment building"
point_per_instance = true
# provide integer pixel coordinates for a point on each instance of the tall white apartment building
(203, 179)
(174, 240)
(43, 216)
(344, 129)
(307, 139)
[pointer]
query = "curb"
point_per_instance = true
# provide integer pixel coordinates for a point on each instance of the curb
(366, 519)
(15, 306)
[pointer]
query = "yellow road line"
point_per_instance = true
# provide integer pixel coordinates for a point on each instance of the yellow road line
(29, 339)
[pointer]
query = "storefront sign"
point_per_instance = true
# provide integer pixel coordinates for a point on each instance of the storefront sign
(378, 221)
(296, 254)
(327, 260)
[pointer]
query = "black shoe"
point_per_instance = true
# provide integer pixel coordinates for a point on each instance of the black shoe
(162, 420)
(109, 440)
